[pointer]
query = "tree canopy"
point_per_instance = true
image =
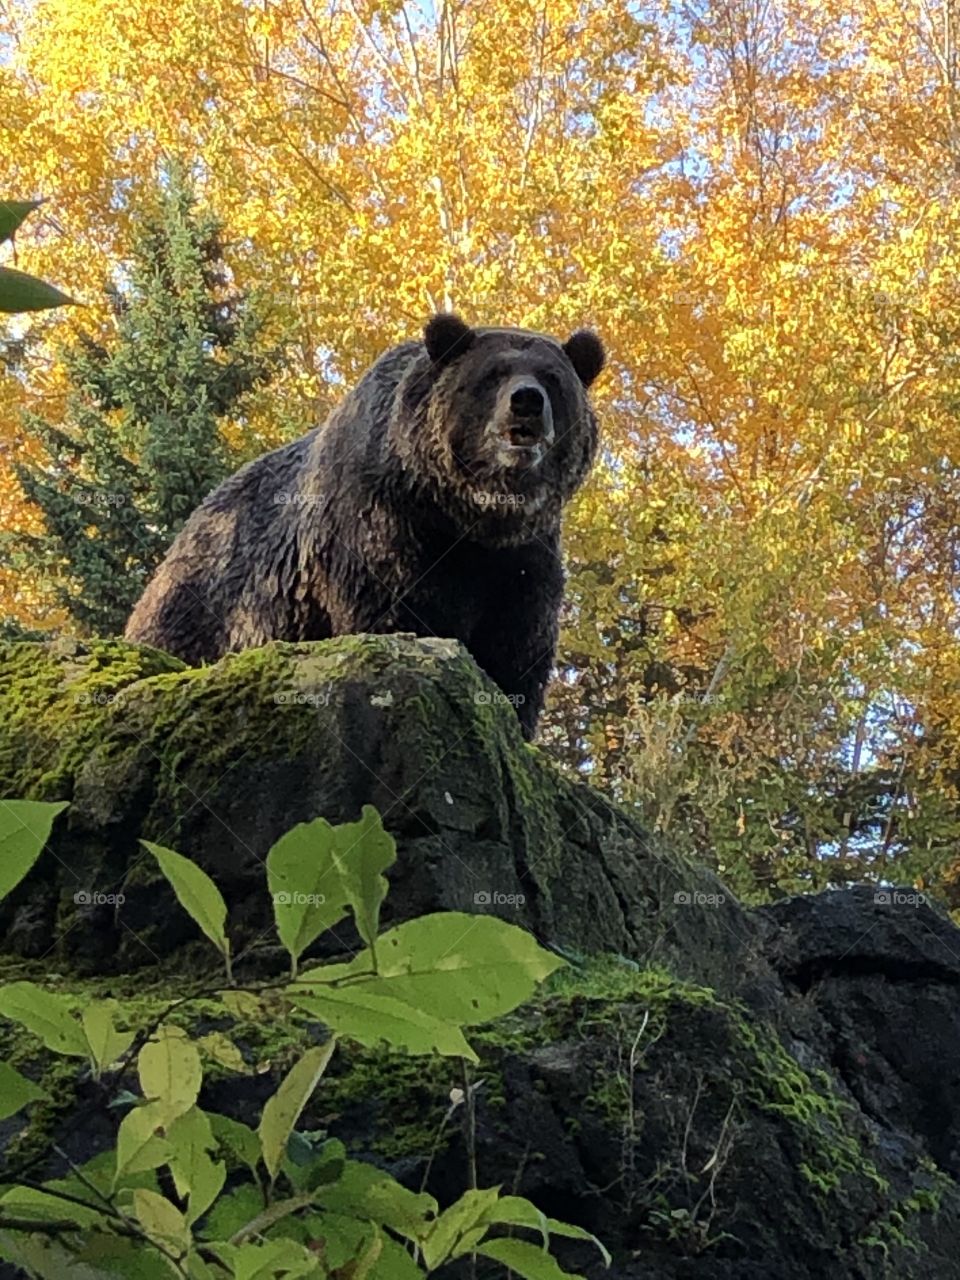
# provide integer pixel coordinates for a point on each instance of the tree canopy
(754, 203)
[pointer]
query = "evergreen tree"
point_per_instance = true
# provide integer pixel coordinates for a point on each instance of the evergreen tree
(141, 445)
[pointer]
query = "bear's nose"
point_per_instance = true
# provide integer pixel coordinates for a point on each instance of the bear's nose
(527, 402)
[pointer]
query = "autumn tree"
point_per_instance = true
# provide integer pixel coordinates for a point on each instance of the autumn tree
(141, 445)
(754, 203)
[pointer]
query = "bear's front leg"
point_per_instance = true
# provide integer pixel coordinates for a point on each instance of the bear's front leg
(531, 687)
(516, 642)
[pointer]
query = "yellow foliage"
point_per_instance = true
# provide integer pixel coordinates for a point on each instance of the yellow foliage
(756, 207)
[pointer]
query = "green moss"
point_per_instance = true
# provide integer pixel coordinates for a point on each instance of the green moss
(403, 1100)
(608, 999)
(410, 1096)
(264, 1041)
(60, 1078)
(898, 1226)
(106, 705)
(59, 702)
(533, 783)
(401, 1106)
(593, 999)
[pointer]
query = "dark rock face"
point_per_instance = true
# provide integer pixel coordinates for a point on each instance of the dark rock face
(725, 1094)
(812, 1132)
(875, 980)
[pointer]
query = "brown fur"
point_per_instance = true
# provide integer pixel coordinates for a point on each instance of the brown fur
(429, 502)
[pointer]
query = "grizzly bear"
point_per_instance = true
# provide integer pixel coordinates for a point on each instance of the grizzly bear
(429, 501)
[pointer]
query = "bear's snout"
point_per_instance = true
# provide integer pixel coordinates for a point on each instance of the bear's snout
(523, 425)
(527, 401)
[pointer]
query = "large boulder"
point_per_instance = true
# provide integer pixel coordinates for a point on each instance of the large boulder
(717, 1092)
(219, 762)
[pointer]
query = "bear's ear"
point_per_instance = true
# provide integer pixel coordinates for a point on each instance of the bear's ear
(447, 337)
(585, 352)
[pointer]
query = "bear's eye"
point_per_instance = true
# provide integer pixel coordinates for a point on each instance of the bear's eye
(489, 380)
(550, 383)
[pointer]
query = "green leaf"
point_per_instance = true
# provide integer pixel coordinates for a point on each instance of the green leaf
(243, 1004)
(267, 1217)
(558, 1228)
(12, 214)
(305, 1147)
(236, 1140)
(16, 1091)
(283, 1110)
(316, 871)
(232, 1211)
(120, 1259)
(304, 881)
(47, 1015)
(364, 850)
(170, 1070)
(20, 292)
(161, 1220)
(268, 1260)
(516, 1212)
(44, 1258)
(105, 1043)
(308, 1166)
(363, 1263)
(98, 1173)
(374, 1020)
(395, 1263)
(462, 968)
(141, 1144)
(222, 1049)
(207, 1178)
(25, 1202)
(529, 1261)
(196, 893)
(199, 1269)
(368, 1193)
(194, 1173)
(463, 1218)
(24, 830)
(122, 1100)
(344, 1238)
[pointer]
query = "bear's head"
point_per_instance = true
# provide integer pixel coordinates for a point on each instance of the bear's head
(498, 424)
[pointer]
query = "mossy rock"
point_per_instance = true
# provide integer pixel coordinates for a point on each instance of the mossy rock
(729, 1095)
(668, 1120)
(218, 762)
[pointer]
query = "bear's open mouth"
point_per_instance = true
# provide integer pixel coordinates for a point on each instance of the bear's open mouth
(519, 451)
(524, 437)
